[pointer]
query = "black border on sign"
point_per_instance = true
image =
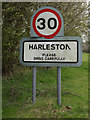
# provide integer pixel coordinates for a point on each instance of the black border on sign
(48, 41)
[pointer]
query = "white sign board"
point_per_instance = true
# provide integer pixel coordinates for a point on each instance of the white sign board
(59, 51)
(50, 51)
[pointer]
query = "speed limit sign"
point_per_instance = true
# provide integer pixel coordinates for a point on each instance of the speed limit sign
(47, 23)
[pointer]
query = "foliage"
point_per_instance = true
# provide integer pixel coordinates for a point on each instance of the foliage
(16, 25)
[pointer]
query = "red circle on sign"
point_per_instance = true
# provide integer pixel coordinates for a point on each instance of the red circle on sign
(59, 25)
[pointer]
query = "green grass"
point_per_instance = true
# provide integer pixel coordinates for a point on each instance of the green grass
(17, 93)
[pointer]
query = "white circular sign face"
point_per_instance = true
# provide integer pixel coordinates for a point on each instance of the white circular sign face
(47, 23)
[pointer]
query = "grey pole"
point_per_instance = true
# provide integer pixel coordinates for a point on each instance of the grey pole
(59, 86)
(34, 85)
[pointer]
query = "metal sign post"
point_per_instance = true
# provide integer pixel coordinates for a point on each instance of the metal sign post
(34, 85)
(59, 85)
(48, 47)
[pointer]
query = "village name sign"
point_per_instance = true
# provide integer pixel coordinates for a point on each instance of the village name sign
(48, 46)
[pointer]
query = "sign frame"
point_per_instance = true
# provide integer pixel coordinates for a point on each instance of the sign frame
(53, 64)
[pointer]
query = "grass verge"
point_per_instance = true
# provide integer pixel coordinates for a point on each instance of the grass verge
(17, 93)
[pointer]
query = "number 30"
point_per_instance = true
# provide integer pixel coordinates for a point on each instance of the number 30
(48, 23)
